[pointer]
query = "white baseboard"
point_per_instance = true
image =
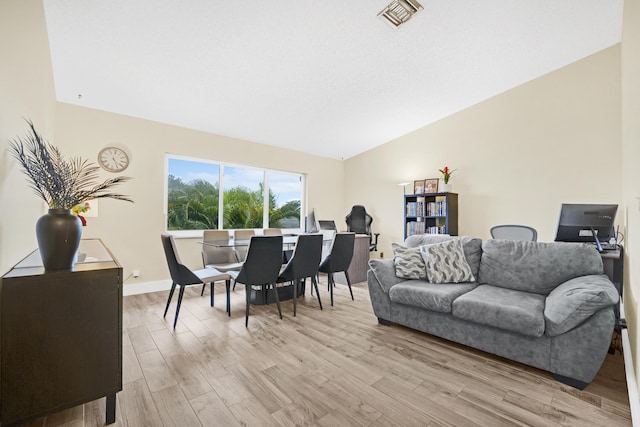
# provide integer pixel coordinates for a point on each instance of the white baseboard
(632, 383)
(146, 287)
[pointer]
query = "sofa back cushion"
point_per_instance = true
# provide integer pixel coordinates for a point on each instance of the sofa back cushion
(472, 246)
(535, 266)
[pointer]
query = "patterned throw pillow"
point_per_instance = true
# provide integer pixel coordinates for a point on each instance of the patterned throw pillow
(408, 262)
(445, 262)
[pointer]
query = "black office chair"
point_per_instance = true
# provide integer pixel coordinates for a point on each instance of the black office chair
(514, 232)
(261, 267)
(183, 276)
(359, 221)
(339, 260)
(304, 263)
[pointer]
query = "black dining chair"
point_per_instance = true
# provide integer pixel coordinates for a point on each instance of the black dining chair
(339, 259)
(182, 276)
(261, 267)
(304, 263)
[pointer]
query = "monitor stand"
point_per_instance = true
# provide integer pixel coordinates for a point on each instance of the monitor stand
(595, 237)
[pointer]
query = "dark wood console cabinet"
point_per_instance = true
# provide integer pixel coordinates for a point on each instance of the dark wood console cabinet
(60, 335)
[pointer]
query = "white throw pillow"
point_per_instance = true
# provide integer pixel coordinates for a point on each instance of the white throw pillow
(445, 262)
(408, 262)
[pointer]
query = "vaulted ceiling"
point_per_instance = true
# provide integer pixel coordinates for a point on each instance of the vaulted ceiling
(329, 77)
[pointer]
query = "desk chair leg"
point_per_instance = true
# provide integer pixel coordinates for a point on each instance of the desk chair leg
(211, 284)
(275, 291)
(330, 280)
(314, 283)
(204, 285)
(227, 284)
(175, 321)
(295, 296)
(349, 283)
(246, 311)
(173, 288)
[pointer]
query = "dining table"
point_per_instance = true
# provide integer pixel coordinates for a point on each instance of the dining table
(259, 296)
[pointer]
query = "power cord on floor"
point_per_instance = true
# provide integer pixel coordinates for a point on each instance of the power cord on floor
(616, 339)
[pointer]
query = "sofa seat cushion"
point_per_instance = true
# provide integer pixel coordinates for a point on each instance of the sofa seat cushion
(434, 297)
(516, 311)
(575, 301)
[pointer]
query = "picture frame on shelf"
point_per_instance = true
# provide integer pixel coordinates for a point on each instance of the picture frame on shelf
(418, 186)
(431, 185)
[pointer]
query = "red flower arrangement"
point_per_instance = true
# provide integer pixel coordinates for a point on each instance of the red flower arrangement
(446, 174)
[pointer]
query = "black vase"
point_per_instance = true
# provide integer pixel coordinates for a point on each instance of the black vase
(58, 234)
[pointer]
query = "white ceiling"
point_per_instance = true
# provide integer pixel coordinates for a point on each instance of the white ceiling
(324, 77)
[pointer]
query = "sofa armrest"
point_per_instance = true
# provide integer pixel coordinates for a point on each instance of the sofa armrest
(576, 300)
(384, 271)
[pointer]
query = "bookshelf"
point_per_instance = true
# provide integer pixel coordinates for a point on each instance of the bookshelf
(432, 213)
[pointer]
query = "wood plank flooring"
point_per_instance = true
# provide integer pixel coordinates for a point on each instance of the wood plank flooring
(335, 367)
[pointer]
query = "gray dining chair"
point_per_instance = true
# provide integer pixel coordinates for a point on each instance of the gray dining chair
(241, 251)
(182, 276)
(304, 263)
(339, 259)
(222, 256)
(260, 268)
(272, 231)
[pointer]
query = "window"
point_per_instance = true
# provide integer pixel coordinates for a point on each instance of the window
(285, 194)
(202, 194)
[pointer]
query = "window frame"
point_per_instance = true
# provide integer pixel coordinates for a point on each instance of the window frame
(221, 165)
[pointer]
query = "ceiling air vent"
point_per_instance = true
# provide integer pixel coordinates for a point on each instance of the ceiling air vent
(400, 11)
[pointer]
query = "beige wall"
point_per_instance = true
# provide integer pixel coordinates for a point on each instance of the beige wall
(132, 231)
(631, 171)
(518, 155)
(26, 90)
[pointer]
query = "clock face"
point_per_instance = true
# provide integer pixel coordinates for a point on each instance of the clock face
(113, 159)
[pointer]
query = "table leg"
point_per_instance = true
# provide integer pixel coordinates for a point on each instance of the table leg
(111, 409)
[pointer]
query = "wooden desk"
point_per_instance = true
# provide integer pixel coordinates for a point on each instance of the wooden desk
(60, 335)
(613, 263)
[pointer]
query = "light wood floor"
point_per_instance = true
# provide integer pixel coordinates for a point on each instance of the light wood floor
(335, 367)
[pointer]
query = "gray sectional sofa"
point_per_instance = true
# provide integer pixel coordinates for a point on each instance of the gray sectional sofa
(547, 305)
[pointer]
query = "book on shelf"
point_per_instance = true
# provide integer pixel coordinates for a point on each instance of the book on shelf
(437, 208)
(415, 227)
(416, 208)
(436, 230)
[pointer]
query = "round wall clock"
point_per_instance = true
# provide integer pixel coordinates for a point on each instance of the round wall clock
(113, 159)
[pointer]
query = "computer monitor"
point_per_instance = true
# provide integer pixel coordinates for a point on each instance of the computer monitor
(327, 224)
(311, 225)
(586, 223)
